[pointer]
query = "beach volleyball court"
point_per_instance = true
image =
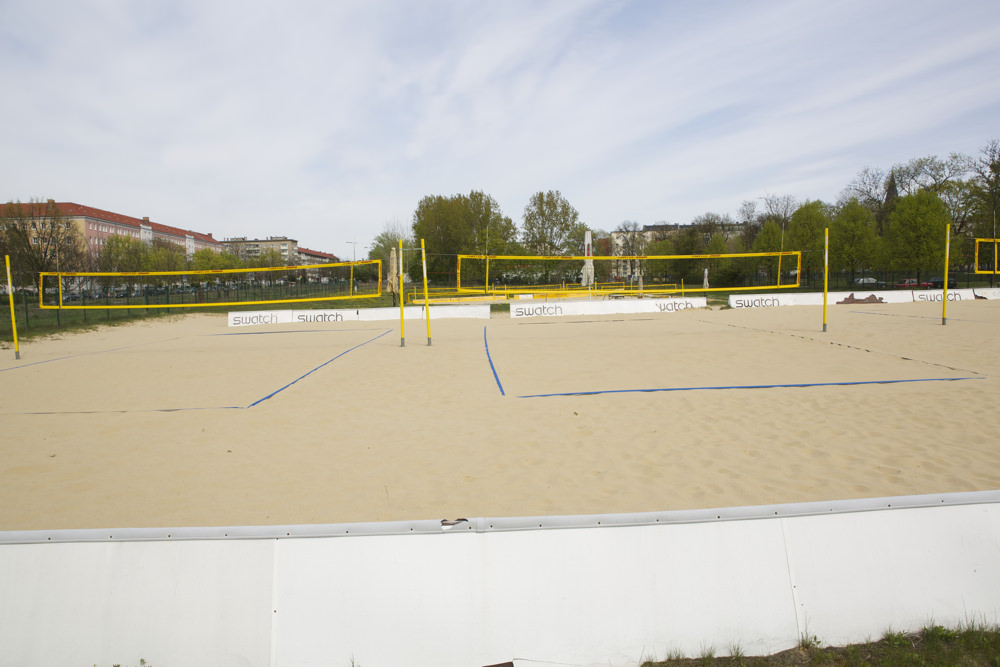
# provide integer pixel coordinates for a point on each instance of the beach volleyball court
(183, 421)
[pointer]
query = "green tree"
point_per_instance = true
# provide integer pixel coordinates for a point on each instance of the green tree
(889, 202)
(805, 234)
(660, 270)
(443, 223)
(691, 240)
(915, 233)
(460, 225)
(768, 240)
(492, 231)
(853, 243)
(122, 253)
(576, 241)
(165, 256)
(549, 220)
(207, 259)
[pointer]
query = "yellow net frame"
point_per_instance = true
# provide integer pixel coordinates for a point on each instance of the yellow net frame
(617, 289)
(996, 246)
(60, 304)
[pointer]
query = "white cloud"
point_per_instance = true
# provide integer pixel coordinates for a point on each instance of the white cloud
(326, 120)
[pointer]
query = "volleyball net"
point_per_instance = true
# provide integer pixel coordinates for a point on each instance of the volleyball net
(986, 256)
(210, 288)
(509, 275)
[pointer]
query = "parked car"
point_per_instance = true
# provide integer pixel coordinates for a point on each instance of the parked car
(938, 283)
(912, 283)
(869, 282)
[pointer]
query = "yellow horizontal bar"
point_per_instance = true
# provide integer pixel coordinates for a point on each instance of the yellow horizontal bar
(608, 258)
(98, 274)
(214, 304)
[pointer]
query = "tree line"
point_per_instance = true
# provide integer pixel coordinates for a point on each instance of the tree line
(884, 220)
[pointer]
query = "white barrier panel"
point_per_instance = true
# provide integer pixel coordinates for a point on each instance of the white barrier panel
(613, 306)
(583, 590)
(987, 292)
(937, 295)
(257, 317)
(169, 603)
(837, 298)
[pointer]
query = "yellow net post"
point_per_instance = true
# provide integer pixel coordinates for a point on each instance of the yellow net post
(944, 294)
(427, 302)
(399, 268)
(10, 297)
(826, 271)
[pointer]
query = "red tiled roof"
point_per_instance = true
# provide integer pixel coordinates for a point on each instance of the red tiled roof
(317, 253)
(71, 209)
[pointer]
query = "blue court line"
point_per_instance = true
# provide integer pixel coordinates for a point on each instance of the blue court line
(492, 367)
(275, 393)
(749, 386)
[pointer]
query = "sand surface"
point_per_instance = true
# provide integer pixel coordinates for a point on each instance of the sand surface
(184, 422)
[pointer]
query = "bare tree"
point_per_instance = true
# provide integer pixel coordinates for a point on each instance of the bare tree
(868, 187)
(39, 238)
(629, 242)
(928, 173)
(710, 224)
(749, 222)
(779, 208)
(985, 169)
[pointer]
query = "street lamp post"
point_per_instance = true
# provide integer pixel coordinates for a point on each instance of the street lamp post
(354, 258)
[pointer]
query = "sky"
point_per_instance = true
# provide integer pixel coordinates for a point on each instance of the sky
(328, 121)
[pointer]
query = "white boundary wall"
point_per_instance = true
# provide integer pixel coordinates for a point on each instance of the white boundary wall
(584, 590)
(859, 296)
(255, 317)
(608, 307)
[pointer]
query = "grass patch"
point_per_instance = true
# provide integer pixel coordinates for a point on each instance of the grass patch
(974, 645)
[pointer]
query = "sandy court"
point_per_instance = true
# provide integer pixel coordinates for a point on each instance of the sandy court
(182, 421)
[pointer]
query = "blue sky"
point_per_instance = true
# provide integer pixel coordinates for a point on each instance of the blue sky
(325, 121)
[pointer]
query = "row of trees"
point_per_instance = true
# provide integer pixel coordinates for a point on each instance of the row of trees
(887, 220)
(884, 220)
(473, 224)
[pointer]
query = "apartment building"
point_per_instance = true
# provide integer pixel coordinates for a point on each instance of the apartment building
(95, 226)
(250, 249)
(307, 256)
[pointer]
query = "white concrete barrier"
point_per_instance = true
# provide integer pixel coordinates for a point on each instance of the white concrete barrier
(581, 590)
(773, 300)
(605, 307)
(326, 316)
